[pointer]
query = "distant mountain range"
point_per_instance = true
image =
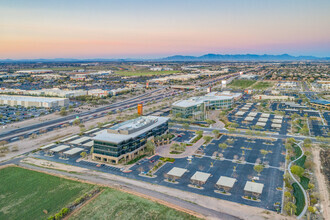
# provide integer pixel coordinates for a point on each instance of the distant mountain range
(243, 57)
(181, 58)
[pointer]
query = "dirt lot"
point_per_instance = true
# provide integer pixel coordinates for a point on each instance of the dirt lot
(325, 161)
(321, 158)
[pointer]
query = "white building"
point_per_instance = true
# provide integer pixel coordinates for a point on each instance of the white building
(31, 101)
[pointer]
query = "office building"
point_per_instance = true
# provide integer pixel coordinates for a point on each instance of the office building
(126, 140)
(195, 106)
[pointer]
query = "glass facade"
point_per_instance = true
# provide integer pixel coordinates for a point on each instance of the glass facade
(186, 112)
(116, 150)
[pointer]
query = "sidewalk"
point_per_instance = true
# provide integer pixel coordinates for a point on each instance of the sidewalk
(164, 150)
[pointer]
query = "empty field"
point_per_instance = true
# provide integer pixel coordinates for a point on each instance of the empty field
(241, 83)
(262, 85)
(113, 204)
(24, 194)
(144, 73)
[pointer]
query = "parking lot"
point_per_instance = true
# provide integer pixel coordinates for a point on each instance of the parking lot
(318, 129)
(326, 116)
(183, 136)
(248, 119)
(240, 148)
(11, 114)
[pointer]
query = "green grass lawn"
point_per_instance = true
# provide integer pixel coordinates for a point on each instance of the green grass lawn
(69, 68)
(24, 194)
(299, 196)
(145, 73)
(241, 83)
(113, 204)
(262, 85)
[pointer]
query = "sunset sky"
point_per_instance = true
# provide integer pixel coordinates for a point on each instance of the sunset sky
(158, 28)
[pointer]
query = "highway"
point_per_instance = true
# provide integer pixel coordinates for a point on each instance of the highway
(13, 135)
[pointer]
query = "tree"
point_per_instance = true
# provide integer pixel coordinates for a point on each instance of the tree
(63, 111)
(233, 125)
(291, 140)
(258, 168)
(311, 186)
(264, 152)
(199, 132)
(287, 194)
(294, 116)
(3, 143)
(207, 139)
(288, 146)
(209, 121)
(150, 147)
(307, 141)
(215, 132)
(185, 126)
(83, 154)
(290, 208)
(223, 146)
(312, 209)
(76, 122)
(304, 130)
(297, 170)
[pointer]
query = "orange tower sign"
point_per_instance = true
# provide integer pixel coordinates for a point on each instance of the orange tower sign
(140, 109)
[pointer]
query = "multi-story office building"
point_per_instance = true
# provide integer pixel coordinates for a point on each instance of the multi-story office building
(196, 106)
(126, 140)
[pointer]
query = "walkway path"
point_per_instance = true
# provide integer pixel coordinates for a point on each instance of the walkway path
(305, 195)
(164, 151)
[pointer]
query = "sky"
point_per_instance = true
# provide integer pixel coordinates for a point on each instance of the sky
(158, 28)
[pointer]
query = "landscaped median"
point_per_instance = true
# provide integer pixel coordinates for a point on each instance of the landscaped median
(296, 169)
(157, 165)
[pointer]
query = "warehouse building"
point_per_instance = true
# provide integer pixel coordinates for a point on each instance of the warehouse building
(31, 101)
(126, 140)
(195, 106)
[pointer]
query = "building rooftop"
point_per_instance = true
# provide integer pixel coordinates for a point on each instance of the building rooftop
(129, 129)
(262, 124)
(73, 151)
(200, 176)
(177, 172)
(263, 120)
(29, 98)
(212, 96)
(47, 146)
(253, 187)
(252, 114)
(320, 101)
(249, 118)
(226, 181)
(59, 148)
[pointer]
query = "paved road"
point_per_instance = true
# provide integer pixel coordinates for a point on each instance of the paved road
(123, 104)
(126, 186)
(269, 135)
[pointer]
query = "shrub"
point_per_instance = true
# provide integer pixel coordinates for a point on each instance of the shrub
(299, 196)
(304, 181)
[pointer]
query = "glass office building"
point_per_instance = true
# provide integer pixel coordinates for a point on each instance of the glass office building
(196, 106)
(126, 140)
